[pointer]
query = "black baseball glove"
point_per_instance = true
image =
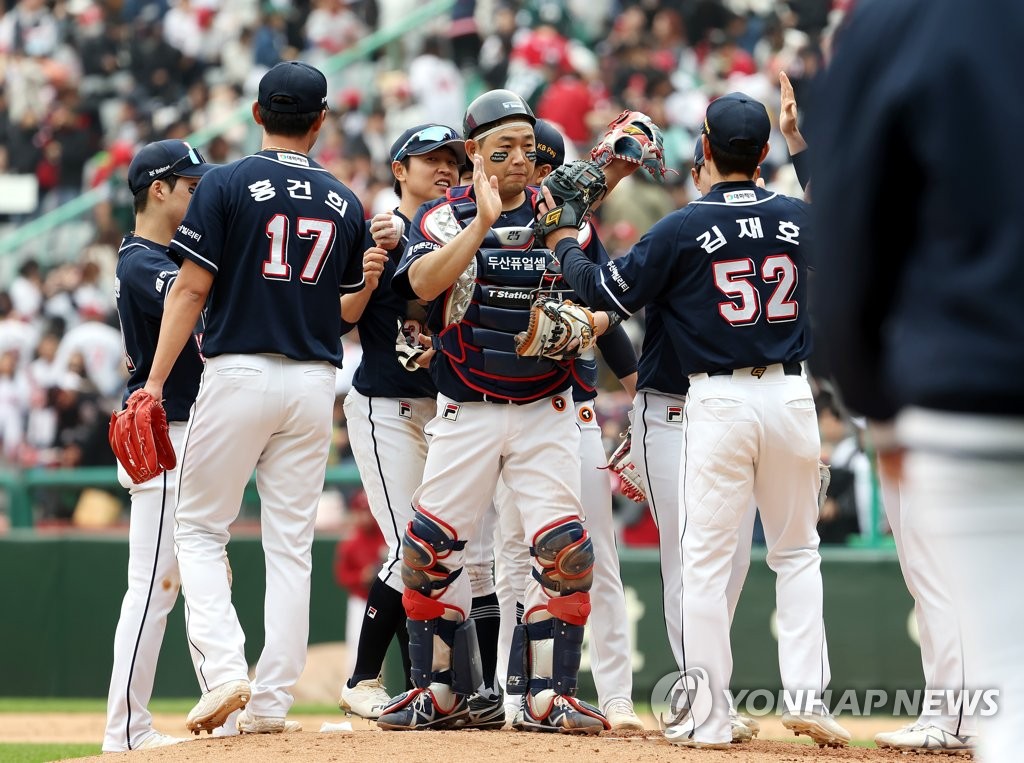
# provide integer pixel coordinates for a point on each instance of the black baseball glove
(575, 188)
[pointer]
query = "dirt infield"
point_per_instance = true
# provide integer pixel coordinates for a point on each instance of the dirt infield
(366, 742)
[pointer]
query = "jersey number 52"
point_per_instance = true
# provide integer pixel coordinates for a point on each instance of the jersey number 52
(736, 280)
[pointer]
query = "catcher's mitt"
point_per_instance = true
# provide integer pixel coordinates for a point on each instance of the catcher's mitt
(558, 330)
(140, 438)
(575, 188)
(631, 483)
(634, 138)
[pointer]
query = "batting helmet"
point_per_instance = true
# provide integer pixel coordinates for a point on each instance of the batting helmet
(492, 107)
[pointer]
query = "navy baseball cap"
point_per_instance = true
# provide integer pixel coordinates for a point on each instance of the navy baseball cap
(550, 144)
(163, 158)
(698, 152)
(738, 124)
(293, 87)
(422, 139)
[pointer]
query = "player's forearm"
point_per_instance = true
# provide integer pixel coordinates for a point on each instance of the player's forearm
(181, 312)
(354, 305)
(629, 384)
(581, 274)
(436, 271)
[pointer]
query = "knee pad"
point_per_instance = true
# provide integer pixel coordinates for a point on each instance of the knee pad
(427, 540)
(566, 557)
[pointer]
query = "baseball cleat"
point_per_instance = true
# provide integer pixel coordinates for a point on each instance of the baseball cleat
(750, 723)
(366, 699)
(419, 709)
(920, 737)
(744, 728)
(547, 711)
(216, 705)
(822, 728)
(249, 723)
(485, 712)
(740, 732)
(693, 743)
(621, 716)
(156, 739)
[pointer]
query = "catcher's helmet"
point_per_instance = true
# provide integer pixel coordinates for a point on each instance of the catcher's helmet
(493, 106)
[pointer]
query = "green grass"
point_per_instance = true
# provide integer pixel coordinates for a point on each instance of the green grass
(37, 753)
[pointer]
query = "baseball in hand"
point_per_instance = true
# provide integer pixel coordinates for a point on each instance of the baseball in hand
(399, 225)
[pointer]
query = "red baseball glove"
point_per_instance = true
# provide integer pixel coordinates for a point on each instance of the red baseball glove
(140, 438)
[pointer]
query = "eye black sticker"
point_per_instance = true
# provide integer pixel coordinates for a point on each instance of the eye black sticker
(531, 156)
(499, 156)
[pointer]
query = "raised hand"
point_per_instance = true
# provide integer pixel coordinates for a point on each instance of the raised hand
(488, 200)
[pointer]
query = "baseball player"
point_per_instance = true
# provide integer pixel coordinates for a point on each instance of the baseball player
(657, 422)
(162, 177)
(498, 414)
(610, 648)
(923, 295)
(387, 410)
(939, 628)
(729, 272)
(269, 244)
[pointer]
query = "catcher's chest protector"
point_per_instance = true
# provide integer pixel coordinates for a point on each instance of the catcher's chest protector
(490, 304)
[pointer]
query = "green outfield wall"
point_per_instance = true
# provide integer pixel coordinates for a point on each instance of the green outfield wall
(60, 597)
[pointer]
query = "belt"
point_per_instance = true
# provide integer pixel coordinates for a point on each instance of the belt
(789, 369)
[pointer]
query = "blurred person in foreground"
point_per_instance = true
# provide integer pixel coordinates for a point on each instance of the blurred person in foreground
(923, 291)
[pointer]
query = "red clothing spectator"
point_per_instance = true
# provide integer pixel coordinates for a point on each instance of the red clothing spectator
(567, 102)
(357, 557)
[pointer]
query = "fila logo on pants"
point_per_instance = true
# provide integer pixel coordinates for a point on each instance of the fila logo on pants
(451, 412)
(674, 414)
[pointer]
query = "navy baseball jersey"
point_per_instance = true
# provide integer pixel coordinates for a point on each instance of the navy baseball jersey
(728, 273)
(144, 274)
(380, 374)
(278, 268)
(660, 368)
(479, 361)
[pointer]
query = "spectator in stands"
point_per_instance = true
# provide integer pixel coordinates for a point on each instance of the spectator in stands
(357, 560)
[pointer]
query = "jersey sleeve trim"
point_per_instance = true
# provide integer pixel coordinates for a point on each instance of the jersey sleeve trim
(197, 258)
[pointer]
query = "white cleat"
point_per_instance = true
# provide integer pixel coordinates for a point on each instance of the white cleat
(216, 705)
(694, 744)
(750, 723)
(366, 699)
(920, 737)
(822, 728)
(622, 716)
(249, 723)
(156, 739)
(741, 730)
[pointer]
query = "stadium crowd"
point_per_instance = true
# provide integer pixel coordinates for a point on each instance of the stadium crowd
(85, 83)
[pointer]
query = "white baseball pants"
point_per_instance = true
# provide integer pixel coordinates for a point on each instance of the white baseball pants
(966, 475)
(153, 586)
(609, 646)
(533, 447)
(926, 573)
(274, 415)
(657, 421)
(390, 448)
(745, 438)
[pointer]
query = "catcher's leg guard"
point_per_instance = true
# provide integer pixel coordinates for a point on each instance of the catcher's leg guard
(546, 650)
(440, 672)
